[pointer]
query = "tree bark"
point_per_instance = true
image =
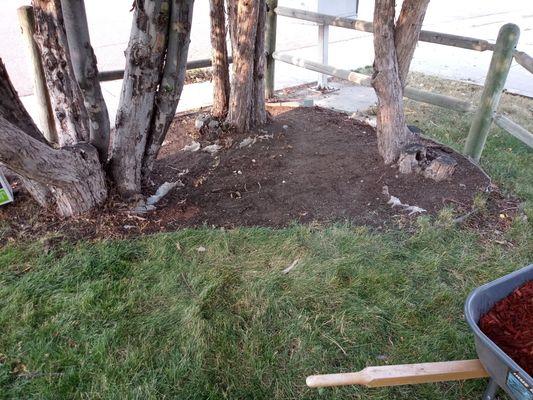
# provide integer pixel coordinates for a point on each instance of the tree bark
(40, 90)
(72, 173)
(246, 108)
(144, 61)
(220, 64)
(258, 100)
(67, 103)
(407, 32)
(86, 73)
(232, 8)
(12, 109)
(392, 131)
(169, 92)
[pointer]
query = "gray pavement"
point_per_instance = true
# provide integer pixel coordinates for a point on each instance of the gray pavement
(110, 25)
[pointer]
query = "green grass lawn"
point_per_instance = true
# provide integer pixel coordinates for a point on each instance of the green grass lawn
(154, 318)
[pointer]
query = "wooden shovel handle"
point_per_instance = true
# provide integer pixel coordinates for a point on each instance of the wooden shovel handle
(405, 374)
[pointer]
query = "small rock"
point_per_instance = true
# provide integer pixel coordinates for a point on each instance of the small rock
(213, 124)
(285, 127)
(201, 249)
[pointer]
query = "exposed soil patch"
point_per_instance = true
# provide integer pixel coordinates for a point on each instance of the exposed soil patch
(307, 165)
(509, 324)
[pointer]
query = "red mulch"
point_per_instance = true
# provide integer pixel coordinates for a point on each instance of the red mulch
(509, 324)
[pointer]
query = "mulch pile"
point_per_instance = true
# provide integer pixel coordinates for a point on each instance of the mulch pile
(509, 324)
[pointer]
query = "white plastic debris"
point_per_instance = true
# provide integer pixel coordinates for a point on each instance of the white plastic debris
(265, 137)
(414, 210)
(247, 142)
(183, 172)
(201, 249)
(142, 209)
(292, 266)
(212, 148)
(194, 146)
(200, 121)
(395, 202)
(162, 191)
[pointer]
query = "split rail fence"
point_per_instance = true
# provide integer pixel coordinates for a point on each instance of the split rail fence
(504, 51)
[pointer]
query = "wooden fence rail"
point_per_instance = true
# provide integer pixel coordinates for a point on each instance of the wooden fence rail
(364, 80)
(366, 26)
(503, 52)
(448, 102)
(445, 39)
(114, 75)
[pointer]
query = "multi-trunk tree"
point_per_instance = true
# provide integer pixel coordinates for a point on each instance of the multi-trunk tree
(74, 175)
(394, 46)
(243, 103)
(90, 158)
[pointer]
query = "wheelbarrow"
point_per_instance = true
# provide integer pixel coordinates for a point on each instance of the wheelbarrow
(493, 363)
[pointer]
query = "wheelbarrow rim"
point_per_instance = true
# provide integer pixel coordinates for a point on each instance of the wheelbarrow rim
(479, 333)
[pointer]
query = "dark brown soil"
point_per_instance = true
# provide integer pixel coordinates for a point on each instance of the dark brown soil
(319, 166)
(509, 324)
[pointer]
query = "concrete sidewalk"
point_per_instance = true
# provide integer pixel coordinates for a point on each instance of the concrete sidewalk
(110, 24)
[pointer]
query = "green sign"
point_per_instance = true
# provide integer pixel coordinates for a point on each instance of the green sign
(4, 197)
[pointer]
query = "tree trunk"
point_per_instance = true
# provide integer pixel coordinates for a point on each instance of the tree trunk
(86, 72)
(220, 64)
(392, 132)
(232, 8)
(12, 110)
(70, 178)
(408, 27)
(246, 108)
(72, 173)
(144, 61)
(67, 103)
(258, 100)
(169, 91)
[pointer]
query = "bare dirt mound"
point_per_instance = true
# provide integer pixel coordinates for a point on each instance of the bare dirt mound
(319, 165)
(308, 164)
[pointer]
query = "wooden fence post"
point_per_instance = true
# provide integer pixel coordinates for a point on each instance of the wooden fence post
(44, 107)
(270, 47)
(494, 84)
